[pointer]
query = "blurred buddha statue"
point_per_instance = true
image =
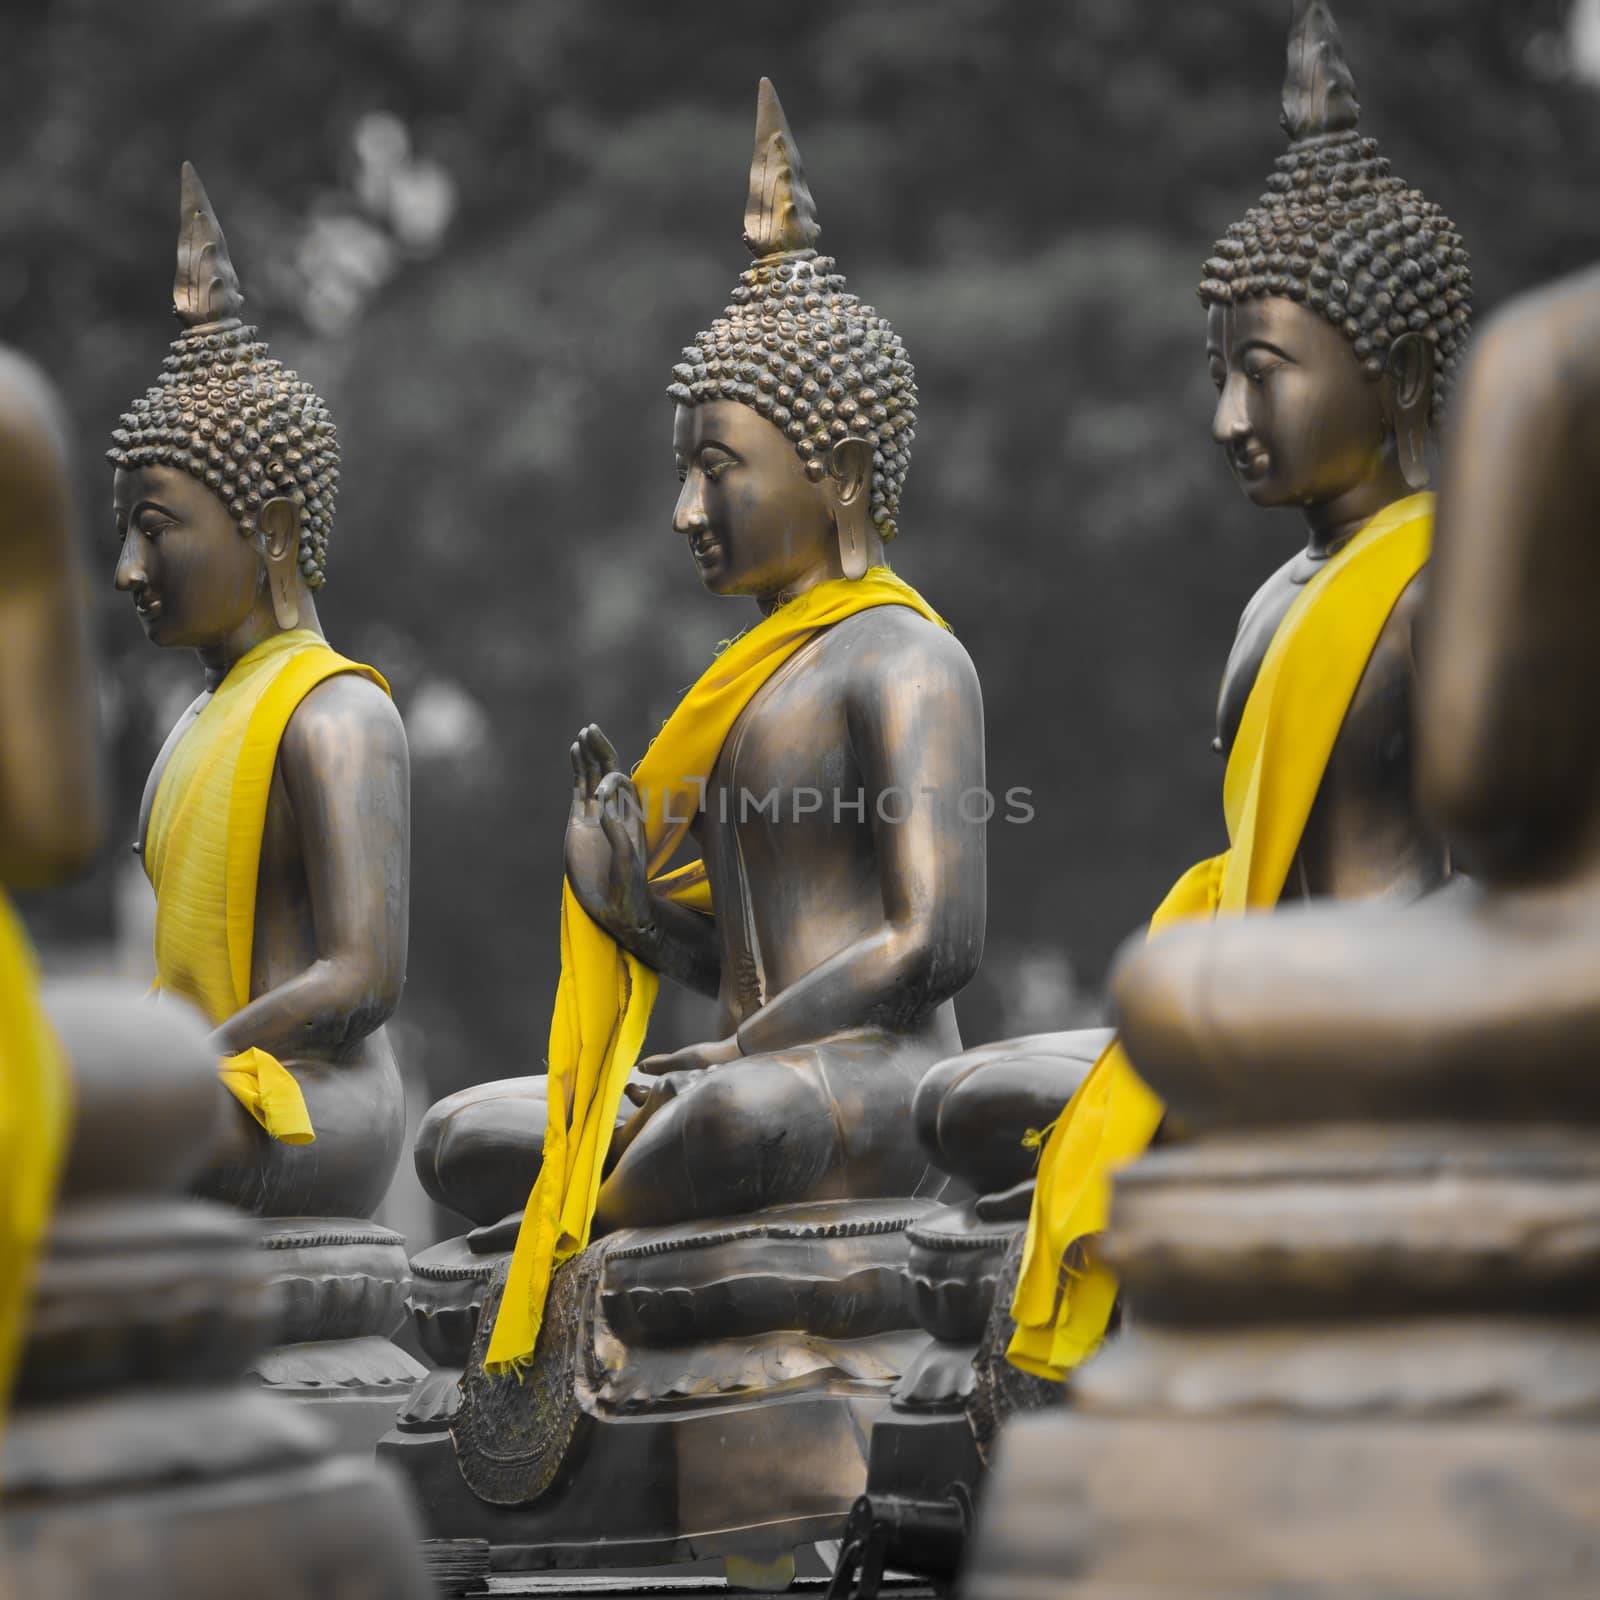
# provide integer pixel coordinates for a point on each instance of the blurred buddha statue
(1337, 311)
(752, 1207)
(275, 823)
(50, 808)
(135, 1461)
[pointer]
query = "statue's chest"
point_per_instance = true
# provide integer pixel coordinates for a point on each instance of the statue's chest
(789, 751)
(1250, 645)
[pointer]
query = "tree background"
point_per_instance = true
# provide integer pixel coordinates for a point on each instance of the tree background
(483, 231)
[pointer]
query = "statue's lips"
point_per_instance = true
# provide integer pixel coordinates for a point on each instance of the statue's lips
(705, 550)
(148, 610)
(1253, 463)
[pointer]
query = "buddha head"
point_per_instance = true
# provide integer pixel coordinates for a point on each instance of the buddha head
(1338, 308)
(795, 409)
(226, 469)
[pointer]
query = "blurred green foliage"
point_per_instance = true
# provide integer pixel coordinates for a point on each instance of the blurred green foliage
(484, 230)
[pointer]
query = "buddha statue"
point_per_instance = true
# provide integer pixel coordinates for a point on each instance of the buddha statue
(51, 812)
(1364, 1288)
(748, 1214)
(135, 1461)
(1336, 315)
(274, 826)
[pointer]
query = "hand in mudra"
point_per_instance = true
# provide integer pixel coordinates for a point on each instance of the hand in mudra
(605, 845)
(669, 1074)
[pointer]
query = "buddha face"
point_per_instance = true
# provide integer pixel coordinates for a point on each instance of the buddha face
(193, 574)
(756, 524)
(1299, 420)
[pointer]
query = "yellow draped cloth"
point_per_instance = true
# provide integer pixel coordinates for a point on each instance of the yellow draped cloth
(1307, 679)
(35, 1116)
(203, 853)
(605, 994)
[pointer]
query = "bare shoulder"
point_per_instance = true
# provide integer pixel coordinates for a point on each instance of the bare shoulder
(1400, 626)
(1276, 593)
(894, 645)
(344, 714)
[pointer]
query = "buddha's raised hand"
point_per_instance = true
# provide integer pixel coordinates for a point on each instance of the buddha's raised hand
(605, 846)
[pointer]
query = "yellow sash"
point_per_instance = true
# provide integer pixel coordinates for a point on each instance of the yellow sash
(203, 852)
(35, 1116)
(1307, 679)
(604, 998)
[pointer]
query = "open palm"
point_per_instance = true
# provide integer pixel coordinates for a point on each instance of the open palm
(605, 844)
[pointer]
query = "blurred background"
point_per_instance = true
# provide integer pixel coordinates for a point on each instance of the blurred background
(484, 231)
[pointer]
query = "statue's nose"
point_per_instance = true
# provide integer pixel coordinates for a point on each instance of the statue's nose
(131, 574)
(1230, 423)
(690, 516)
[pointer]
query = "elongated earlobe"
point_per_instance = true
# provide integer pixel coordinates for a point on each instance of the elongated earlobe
(1411, 440)
(852, 546)
(285, 604)
(1411, 386)
(279, 522)
(850, 467)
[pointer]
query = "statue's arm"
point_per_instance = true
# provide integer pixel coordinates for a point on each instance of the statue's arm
(606, 860)
(347, 774)
(917, 728)
(679, 944)
(50, 816)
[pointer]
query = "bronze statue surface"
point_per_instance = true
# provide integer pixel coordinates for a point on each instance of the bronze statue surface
(752, 1210)
(225, 478)
(1364, 1292)
(1423, 1007)
(275, 825)
(50, 809)
(842, 927)
(136, 1462)
(140, 1462)
(1336, 311)
(51, 797)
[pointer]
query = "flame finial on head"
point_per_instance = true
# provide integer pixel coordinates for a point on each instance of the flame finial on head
(206, 289)
(1319, 92)
(780, 216)
(795, 345)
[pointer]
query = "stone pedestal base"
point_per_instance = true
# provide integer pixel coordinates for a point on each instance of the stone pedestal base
(137, 1464)
(922, 1457)
(1365, 1363)
(444, 1297)
(352, 1385)
(759, 1484)
(283, 1532)
(339, 1286)
(1095, 1508)
(705, 1390)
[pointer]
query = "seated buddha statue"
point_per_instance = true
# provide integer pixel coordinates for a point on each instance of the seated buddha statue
(757, 1185)
(833, 933)
(1336, 313)
(274, 827)
(1478, 1002)
(1364, 1286)
(50, 809)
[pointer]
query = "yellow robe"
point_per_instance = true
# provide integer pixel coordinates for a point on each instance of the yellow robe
(604, 998)
(35, 1116)
(203, 852)
(1291, 720)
